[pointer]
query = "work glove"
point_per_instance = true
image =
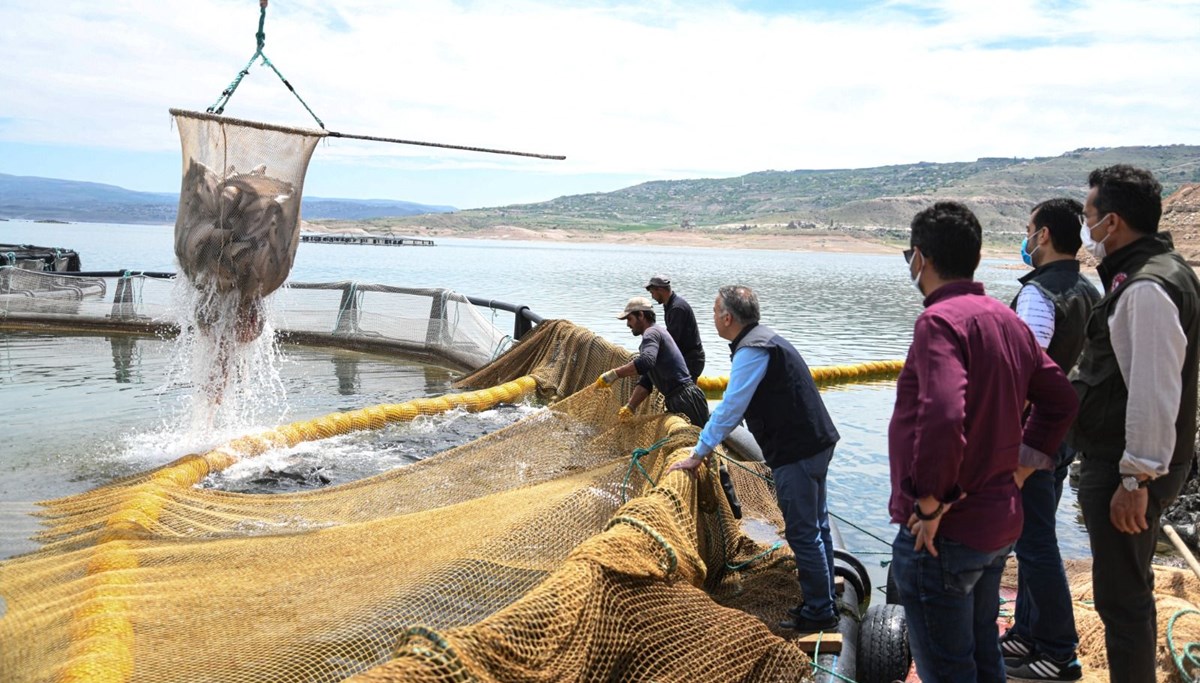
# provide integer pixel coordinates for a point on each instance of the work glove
(606, 379)
(624, 413)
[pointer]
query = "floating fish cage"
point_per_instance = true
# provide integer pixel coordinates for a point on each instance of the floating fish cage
(554, 548)
(428, 324)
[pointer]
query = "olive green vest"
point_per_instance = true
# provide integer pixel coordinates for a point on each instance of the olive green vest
(1099, 430)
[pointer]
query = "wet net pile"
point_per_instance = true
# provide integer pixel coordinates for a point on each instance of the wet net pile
(555, 548)
(1177, 594)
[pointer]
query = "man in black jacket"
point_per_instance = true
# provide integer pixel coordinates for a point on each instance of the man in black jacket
(1136, 430)
(680, 322)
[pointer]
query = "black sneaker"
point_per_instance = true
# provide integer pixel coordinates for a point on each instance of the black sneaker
(1039, 667)
(1014, 648)
(797, 611)
(804, 625)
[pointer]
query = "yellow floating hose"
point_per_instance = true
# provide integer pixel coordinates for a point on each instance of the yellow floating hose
(825, 375)
(101, 648)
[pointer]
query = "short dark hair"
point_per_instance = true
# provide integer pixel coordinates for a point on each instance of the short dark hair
(1131, 193)
(1061, 217)
(740, 302)
(650, 316)
(950, 236)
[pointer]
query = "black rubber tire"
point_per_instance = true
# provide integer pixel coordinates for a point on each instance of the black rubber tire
(864, 579)
(883, 655)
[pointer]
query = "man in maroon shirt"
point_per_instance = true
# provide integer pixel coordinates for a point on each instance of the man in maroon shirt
(958, 451)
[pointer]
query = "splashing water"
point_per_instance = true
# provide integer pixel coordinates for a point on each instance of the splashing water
(232, 375)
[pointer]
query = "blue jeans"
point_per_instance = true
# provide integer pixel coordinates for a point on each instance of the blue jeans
(1045, 615)
(951, 602)
(801, 492)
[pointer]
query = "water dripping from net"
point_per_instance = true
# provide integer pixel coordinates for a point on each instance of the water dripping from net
(231, 379)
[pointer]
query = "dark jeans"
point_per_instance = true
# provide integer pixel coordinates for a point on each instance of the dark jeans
(801, 492)
(1122, 579)
(1045, 615)
(951, 602)
(689, 400)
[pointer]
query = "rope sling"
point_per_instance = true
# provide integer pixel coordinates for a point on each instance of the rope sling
(260, 37)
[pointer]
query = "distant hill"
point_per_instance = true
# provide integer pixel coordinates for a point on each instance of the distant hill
(29, 197)
(1000, 190)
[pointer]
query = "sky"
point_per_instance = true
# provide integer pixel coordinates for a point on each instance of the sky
(627, 91)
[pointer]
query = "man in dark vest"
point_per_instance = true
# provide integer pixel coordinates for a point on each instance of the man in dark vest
(958, 449)
(681, 323)
(1055, 301)
(1136, 381)
(770, 384)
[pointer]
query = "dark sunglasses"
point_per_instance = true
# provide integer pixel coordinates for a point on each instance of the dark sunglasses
(908, 254)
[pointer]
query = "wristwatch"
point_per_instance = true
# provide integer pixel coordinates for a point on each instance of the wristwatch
(1131, 483)
(928, 517)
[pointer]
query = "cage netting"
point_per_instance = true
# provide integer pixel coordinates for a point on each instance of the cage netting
(239, 212)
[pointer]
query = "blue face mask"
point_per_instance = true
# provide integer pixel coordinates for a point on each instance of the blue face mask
(1026, 255)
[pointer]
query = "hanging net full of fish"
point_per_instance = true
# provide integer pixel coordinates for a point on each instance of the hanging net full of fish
(239, 213)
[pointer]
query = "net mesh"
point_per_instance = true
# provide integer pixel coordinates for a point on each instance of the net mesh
(553, 549)
(433, 324)
(238, 223)
(23, 290)
(513, 557)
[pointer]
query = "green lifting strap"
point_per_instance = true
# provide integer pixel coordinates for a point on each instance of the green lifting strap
(218, 107)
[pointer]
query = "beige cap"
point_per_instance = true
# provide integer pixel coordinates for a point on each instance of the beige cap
(637, 303)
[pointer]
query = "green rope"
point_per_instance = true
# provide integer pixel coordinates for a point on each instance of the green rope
(1190, 651)
(831, 672)
(635, 460)
(260, 37)
(672, 558)
(818, 667)
(774, 546)
(868, 533)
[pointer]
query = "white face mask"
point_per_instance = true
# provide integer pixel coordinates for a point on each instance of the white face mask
(916, 279)
(1096, 249)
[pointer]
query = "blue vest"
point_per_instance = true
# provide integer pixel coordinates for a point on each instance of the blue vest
(786, 414)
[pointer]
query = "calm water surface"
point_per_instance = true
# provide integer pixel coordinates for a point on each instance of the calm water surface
(85, 409)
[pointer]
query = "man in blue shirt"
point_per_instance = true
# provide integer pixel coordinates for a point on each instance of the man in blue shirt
(771, 386)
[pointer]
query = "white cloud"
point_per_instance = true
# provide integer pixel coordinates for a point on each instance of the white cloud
(663, 89)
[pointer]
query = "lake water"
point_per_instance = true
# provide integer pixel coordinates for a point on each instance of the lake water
(82, 410)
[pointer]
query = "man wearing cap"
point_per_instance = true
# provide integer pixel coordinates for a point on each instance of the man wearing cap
(660, 365)
(681, 323)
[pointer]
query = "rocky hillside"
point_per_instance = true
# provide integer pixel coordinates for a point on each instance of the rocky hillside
(1181, 216)
(882, 199)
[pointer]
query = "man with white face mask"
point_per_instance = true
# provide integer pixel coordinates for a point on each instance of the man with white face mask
(1055, 301)
(1136, 381)
(957, 447)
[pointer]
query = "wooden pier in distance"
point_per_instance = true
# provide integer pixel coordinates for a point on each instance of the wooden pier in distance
(370, 240)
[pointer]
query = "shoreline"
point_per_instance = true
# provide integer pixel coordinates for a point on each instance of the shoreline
(822, 243)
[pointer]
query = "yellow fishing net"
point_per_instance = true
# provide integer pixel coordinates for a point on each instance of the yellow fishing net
(539, 552)
(552, 549)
